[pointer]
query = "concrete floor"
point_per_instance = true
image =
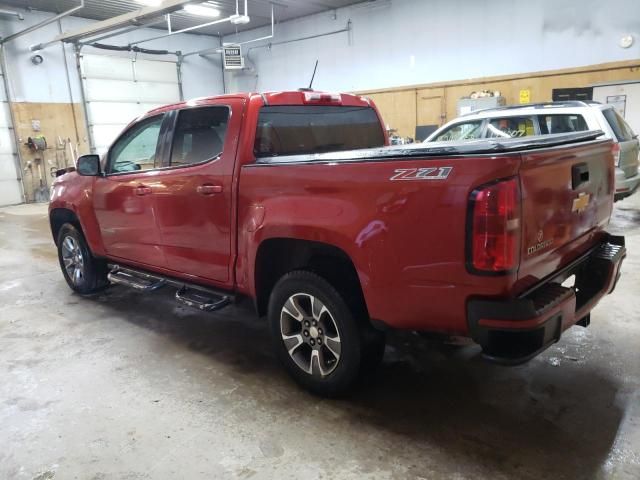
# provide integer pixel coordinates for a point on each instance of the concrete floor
(127, 386)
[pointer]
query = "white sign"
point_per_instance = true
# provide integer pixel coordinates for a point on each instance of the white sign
(232, 55)
(619, 102)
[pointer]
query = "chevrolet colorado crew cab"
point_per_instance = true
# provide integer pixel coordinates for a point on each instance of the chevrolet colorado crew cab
(295, 201)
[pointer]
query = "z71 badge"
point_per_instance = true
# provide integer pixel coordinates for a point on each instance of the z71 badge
(426, 173)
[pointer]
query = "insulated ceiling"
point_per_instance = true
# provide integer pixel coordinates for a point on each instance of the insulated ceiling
(259, 11)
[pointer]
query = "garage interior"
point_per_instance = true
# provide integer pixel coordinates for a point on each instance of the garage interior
(123, 385)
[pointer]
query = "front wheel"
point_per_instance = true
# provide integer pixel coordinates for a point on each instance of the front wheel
(317, 338)
(83, 272)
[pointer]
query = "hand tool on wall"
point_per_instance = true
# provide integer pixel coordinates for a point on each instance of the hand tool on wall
(41, 194)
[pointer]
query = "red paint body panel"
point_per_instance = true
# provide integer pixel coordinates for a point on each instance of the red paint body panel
(195, 223)
(547, 200)
(406, 239)
(75, 193)
(412, 270)
(127, 220)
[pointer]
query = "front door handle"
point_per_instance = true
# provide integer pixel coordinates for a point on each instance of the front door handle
(209, 189)
(142, 190)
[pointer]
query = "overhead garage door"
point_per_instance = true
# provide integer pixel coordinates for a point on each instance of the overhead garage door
(118, 89)
(10, 191)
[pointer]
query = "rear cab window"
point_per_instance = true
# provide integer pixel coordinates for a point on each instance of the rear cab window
(620, 128)
(199, 135)
(307, 129)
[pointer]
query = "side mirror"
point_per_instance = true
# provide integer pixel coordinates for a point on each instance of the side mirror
(89, 165)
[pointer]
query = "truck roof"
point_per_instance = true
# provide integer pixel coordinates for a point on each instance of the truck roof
(302, 96)
(534, 108)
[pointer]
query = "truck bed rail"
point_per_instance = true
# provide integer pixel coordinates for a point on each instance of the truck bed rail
(479, 147)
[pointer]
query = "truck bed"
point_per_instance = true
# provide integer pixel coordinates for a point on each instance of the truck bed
(435, 149)
(408, 239)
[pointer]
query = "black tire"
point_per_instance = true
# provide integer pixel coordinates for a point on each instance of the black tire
(93, 271)
(360, 347)
(375, 342)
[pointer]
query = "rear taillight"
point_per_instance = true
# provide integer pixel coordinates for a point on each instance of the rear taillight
(493, 243)
(615, 150)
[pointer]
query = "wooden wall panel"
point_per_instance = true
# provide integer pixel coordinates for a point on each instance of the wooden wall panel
(398, 113)
(431, 106)
(400, 107)
(63, 121)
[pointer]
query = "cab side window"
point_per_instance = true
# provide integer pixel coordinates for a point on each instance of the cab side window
(199, 135)
(461, 131)
(136, 149)
(561, 123)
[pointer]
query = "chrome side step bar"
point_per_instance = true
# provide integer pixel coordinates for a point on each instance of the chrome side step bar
(201, 300)
(141, 282)
(195, 296)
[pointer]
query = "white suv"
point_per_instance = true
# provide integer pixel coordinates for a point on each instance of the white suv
(548, 118)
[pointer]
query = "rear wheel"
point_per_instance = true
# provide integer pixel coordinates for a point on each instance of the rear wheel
(317, 338)
(83, 272)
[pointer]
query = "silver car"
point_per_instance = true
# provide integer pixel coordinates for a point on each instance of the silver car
(553, 117)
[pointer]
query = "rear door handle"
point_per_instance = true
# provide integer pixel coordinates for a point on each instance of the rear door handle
(209, 189)
(142, 190)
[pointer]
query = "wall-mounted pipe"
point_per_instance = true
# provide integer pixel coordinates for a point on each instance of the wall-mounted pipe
(179, 72)
(120, 32)
(7, 89)
(11, 13)
(43, 23)
(127, 48)
(83, 100)
(184, 30)
(69, 89)
(300, 39)
(209, 51)
(262, 38)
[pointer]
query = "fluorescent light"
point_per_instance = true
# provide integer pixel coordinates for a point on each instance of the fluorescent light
(201, 10)
(150, 3)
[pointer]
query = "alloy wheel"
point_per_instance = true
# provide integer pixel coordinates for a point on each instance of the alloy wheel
(310, 334)
(73, 259)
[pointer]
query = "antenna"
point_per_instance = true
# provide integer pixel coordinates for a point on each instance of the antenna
(314, 75)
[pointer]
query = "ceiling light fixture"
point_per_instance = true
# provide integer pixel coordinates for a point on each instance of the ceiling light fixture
(201, 10)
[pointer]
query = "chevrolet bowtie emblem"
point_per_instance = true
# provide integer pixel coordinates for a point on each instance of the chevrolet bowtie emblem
(580, 203)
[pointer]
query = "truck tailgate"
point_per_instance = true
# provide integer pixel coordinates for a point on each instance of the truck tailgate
(567, 193)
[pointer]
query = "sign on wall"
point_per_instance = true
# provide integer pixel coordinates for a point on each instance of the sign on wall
(232, 55)
(619, 102)
(525, 96)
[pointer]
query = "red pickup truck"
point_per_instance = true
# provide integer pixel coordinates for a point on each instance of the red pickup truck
(295, 201)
